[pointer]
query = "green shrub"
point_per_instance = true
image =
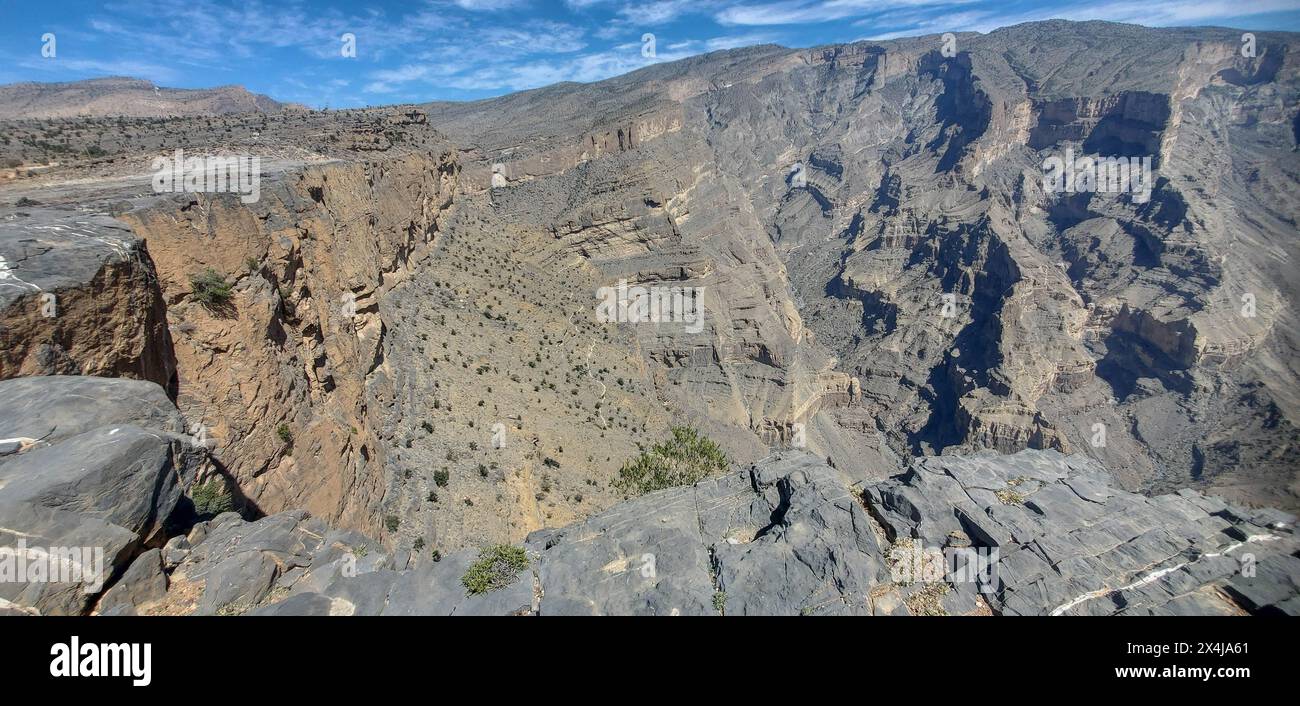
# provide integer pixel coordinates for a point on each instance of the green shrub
(496, 568)
(212, 498)
(283, 432)
(441, 477)
(688, 457)
(392, 522)
(211, 289)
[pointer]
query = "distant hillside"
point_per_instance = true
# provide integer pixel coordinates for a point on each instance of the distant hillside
(129, 97)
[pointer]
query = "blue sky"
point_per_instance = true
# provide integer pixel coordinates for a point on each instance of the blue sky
(419, 50)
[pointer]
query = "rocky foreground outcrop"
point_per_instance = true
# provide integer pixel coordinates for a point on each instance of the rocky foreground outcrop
(787, 536)
(86, 463)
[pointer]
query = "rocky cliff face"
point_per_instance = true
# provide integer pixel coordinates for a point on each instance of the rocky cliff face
(79, 295)
(410, 348)
(302, 335)
(873, 217)
(274, 379)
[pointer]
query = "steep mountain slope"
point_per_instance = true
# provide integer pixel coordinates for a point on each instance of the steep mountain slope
(876, 211)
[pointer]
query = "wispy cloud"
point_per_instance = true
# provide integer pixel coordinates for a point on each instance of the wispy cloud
(655, 12)
(488, 5)
(95, 67)
(786, 12)
(436, 49)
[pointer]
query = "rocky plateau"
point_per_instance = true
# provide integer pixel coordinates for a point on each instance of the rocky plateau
(909, 344)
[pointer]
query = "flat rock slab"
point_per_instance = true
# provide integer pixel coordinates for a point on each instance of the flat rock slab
(47, 249)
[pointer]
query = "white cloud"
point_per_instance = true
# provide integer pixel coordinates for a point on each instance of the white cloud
(919, 21)
(1172, 12)
(807, 12)
(544, 36)
(655, 12)
(488, 5)
(94, 67)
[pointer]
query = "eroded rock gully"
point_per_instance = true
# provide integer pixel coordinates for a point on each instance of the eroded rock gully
(410, 351)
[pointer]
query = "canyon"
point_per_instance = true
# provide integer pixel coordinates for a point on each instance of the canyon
(899, 322)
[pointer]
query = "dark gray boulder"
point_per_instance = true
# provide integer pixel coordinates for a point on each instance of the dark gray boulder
(95, 481)
(143, 582)
(51, 408)
(1069, 542)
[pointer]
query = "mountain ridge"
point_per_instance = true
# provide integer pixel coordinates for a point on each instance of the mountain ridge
(113, 96)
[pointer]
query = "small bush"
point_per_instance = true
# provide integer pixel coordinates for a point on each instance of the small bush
(212, 499)
(211, 289)
(441, 477)
(687, 458)
(285, 435)
(1008, 496)
(392, 522)
(496, 568)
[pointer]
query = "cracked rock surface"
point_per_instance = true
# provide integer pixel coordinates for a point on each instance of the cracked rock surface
(790, 536)
(786, 535)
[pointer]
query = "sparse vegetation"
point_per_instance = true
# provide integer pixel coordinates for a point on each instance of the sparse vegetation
(211, 289)
(212, 498)
(496, 568)
(687, 458)
(928, 600)
(1007, 496)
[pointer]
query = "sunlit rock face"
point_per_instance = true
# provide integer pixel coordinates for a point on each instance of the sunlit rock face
(884, 265)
